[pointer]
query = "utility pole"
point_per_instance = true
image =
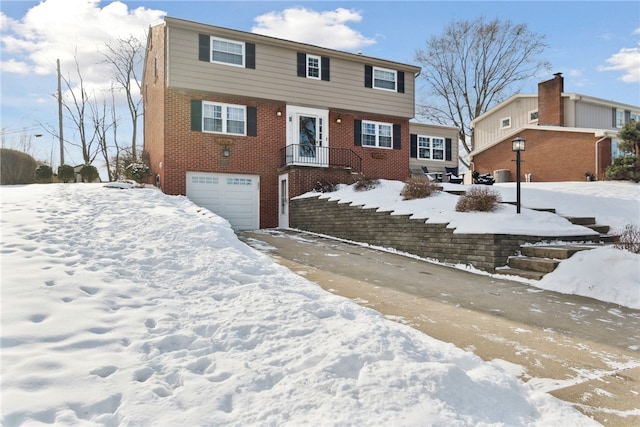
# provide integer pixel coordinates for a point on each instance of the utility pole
(60, 116)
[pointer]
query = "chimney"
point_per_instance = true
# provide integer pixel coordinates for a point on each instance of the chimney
(550, 108)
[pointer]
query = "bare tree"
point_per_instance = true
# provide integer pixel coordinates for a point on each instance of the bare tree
(126, 56)
(101, 127)
(473, 66)
(77, 103)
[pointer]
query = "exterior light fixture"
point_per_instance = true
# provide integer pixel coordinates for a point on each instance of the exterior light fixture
(339, 120)
(278, 113)
(225, 151)
(517, 145)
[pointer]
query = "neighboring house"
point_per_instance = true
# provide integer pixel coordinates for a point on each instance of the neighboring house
(433, 147)
(567, 135)
(240, 122)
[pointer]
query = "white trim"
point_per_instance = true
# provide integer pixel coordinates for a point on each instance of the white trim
(236, 42)
(384, 70)
(224, 119)
(502, 122)
(377, 134)
(317, 58)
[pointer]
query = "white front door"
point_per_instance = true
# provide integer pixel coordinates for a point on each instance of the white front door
(307, 136)
(283, 201)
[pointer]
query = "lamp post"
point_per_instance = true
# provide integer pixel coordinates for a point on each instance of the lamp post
(517, 145)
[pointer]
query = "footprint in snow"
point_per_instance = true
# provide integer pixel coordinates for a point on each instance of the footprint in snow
(103, 371)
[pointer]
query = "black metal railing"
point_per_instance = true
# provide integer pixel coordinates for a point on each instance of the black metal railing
(305, 155)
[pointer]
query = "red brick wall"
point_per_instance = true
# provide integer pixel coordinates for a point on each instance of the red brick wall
(185, 150)
(550, 110)
(549, 156)
(153, 97)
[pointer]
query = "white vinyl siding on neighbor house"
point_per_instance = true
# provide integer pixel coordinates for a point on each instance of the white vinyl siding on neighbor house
(275, 75)
(375, 134)
(223, 118)
(505, 123)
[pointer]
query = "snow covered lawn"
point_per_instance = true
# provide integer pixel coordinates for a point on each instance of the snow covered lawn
(130, 307)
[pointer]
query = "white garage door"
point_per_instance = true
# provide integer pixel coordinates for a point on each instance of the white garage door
(234, 197)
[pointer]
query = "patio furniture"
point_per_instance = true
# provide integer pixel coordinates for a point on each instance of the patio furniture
(433, 176)
(452, 175)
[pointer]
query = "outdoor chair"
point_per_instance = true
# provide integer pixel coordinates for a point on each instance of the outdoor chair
(452, 175)
(433, 176)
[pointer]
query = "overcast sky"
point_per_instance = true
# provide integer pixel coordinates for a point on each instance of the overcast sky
(595, 44)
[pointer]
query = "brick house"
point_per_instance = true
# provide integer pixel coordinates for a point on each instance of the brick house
(567, 135)
(241, 122)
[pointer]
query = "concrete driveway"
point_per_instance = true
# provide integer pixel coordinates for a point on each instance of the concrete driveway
(580, 350)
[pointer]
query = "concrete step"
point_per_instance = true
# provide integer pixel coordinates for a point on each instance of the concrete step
(602, 229)
(527, 274)
(609, 238)
(553, 252)
(581, 220)
(542, 265)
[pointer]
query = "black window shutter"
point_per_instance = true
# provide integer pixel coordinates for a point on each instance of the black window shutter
(325, 68)
(447, 149)
(250, 55)
(252, 121)
(397, 136)
(302, 65)
(414, 146)
(400, 81)
(627, 116)
(196, 115)
(357, 132)
(615, 124)
(204, 46)
(368, 76)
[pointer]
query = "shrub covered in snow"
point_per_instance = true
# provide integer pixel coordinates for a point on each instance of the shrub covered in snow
(139, 172)
(364, 184)
(418, 188)
(482, 199)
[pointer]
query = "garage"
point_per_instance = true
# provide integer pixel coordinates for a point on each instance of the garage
(234, 197)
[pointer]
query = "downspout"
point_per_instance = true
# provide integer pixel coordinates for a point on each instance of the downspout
(597, 151)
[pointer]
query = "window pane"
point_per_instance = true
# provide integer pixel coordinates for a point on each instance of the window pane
(212, 125)
(235, 120)
(385, 136)
(384, 79)
(369, 134)
(313, 67)
(212, 118)
(229, 52)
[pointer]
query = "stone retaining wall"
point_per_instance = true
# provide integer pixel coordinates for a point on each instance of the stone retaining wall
(414, 236)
